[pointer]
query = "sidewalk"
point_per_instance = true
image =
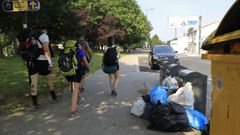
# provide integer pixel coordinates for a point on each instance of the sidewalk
(100, 114)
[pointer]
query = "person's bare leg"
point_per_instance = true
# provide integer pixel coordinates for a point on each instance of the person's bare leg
(33, 91)
(111, 81)
(80, 86)
(116, 80)
(49, 82)
(34, 84)
(74, 96)
(82, 83)
(50, 86)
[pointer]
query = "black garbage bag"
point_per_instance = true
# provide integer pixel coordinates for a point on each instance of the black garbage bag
(146, 112)
(146, 98)
(170, 117)
(206, 131)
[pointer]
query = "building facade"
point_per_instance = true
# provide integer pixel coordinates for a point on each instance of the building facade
(189, 43)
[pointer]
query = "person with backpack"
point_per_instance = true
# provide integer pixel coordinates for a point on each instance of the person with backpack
(73, 65)
(35, 51)
(110, 65)
(88, 51)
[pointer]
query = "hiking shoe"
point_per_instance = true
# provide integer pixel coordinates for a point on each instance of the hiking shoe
(113, 93)
(73, 115)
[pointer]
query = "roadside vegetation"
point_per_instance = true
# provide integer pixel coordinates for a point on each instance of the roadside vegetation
(14, 82)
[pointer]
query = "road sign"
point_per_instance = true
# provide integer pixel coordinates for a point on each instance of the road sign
(33, 5)
(20, 5)
(183, 21)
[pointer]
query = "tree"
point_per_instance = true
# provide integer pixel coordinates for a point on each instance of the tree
(128, 19)
(93, 19)
(156, 41)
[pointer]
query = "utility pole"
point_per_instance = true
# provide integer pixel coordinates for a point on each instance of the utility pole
(25, 20)
(199, 41)
(148, 9)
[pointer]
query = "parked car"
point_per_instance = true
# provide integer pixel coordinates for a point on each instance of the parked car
(160, 53)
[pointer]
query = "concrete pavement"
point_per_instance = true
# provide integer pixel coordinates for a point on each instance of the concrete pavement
(100, 114)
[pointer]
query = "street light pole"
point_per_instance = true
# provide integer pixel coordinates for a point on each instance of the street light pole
(147, 18)
(25, 20)
(199, 41)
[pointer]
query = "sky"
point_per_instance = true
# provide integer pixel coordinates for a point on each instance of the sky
(158, 11)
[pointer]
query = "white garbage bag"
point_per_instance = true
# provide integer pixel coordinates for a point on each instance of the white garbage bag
(184, 96)
(138, 107)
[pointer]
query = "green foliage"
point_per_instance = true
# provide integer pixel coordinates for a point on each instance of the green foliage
(95, 20)
(156, 41)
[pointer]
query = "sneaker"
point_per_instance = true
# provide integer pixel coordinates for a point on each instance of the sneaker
(74, 114)
(113, 93)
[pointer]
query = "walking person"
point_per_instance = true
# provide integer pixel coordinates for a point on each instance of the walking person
(88, 52)
(41, 66)
(75, 79)
(110, 65)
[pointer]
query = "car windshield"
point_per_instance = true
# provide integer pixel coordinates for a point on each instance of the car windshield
(163, 49)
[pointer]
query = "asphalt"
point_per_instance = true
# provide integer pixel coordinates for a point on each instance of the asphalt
(100, 114)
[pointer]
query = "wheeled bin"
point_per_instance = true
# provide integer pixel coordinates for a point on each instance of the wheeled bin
(223, 48)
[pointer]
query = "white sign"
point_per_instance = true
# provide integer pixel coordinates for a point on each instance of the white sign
(179, 21)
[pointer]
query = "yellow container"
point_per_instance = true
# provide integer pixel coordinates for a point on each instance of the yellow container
(225, 116)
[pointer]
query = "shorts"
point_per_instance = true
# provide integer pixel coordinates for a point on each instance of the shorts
(111, 69)
(75, 78)
(38, 66)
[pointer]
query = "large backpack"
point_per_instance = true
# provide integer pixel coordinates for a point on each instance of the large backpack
(67, 61)
(110, 57)
(28, 48)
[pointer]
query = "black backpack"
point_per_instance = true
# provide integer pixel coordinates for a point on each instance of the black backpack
(110, 57)
(65, 61)
(28, 48)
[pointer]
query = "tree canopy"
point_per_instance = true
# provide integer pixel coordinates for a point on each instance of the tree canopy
(156, 41)
(94, 20)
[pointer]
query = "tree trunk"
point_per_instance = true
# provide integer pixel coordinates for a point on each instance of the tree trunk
(1, 53)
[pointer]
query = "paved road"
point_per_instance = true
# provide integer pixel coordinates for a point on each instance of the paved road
(197, 64)
(100, 114)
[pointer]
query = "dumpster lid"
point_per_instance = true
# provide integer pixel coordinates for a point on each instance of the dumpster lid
(227, 31)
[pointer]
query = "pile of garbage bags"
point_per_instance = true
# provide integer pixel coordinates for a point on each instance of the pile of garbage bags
(169, 108)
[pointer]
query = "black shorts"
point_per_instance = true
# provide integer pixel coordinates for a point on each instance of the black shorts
(75, 78)
(38, 66)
